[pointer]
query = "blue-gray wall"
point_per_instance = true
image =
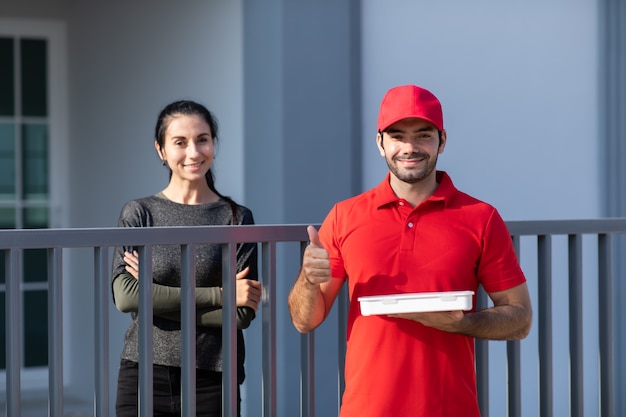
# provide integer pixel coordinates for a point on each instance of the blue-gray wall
(302, 127)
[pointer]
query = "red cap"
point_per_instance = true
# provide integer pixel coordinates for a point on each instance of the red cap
(409, 101)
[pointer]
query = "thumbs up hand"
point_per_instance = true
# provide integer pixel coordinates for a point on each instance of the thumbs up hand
(315, 263)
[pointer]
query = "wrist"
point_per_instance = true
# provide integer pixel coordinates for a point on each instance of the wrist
(308, 282)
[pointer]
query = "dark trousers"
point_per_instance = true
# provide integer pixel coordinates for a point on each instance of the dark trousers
(166, 389)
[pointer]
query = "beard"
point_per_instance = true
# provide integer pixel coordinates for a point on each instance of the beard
(412, 176)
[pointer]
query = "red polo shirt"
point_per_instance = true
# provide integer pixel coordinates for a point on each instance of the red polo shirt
(450, 242)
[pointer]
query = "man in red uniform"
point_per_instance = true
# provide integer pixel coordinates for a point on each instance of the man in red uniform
(413, 233)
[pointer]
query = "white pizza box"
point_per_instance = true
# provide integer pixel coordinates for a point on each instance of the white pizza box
(416, 302)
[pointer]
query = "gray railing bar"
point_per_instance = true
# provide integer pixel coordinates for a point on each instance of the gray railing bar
(229, 335)
(514, 394)
(606, 329)
(14, 325)
(575, 251)
(146, 357)
(55, 332)
(268, 322)
(188, 330)
(307, 375)
(566, 227)
(482, 359)
(307, 367)
(102, 270)
(544, 278)
(342, 330)
(83, 237)
(513, 363)
(133, 236)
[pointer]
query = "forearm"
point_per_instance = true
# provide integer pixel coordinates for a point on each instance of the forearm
(506, 322)
(164, 299)
(307, 306)
(212, 317)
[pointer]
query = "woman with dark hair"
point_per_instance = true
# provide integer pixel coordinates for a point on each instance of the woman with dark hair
(186, 135)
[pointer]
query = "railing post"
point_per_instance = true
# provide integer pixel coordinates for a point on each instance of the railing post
(268, 275)
(307, 367)
(55, 332)
(102, 270)
(14, 325)
(188, 330)
(605, 326)
(307, 375)
(146, 357)
(513, 363)
(482, 360)
(544, 278)
(342, 330)
(229, 335)
(575, 252)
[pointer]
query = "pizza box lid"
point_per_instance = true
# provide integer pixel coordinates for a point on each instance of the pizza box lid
(416, 302)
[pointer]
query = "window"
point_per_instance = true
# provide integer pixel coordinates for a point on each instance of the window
(32, 112)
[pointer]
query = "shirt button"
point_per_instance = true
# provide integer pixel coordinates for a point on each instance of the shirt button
(410, 225)
(401, 203)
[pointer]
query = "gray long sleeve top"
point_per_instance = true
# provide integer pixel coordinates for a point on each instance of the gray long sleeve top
(166, 263)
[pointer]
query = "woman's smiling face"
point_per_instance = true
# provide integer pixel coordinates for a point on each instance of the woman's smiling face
(188, 147)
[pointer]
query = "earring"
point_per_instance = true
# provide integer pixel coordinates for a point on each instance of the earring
(163, 162)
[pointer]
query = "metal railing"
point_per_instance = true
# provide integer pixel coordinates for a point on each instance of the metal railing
(605, 231)
(102, 240)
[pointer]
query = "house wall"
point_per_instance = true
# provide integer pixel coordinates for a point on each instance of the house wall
(302, 88)
(519, 86)
(122, 78)
(39, 9)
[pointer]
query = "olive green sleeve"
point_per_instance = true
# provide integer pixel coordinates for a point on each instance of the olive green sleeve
(166, 302)
(164, 299)
(212, 317)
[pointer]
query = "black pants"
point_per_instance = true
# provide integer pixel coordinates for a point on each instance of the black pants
(166, 389)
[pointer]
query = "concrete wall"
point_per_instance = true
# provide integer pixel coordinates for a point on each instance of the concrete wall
(39, 9)
(302, 112)
(519, 86)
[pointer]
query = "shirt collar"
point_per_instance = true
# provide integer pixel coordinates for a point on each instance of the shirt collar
(445, 190)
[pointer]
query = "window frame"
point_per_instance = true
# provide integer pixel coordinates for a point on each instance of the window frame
(54, 32)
